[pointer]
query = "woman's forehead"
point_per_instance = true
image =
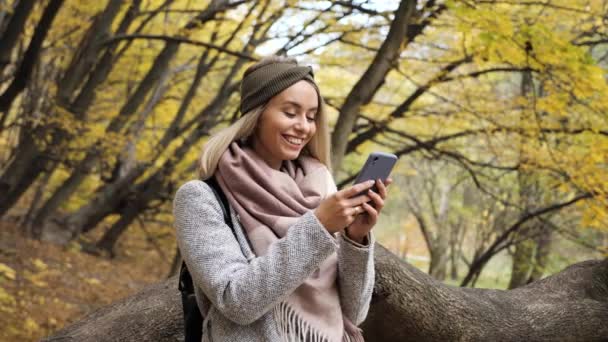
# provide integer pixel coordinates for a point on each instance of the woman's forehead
(301, 95)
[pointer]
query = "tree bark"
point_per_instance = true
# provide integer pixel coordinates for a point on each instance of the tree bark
(37, 158)
(530, 196)
(84, 168)
(523, 262)
(69, 186)
(371, 80)
(111, 197)
(407, 305)
(441, 244)
(502, 241)
(24, 169)
(30, 58)
(109, 239)
(94, 211)
(20, 174)
(89, 49)
(40, 158)
(543, 247)
(14, 28)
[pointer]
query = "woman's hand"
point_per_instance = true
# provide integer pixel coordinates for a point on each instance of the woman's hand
(340, 208)
(364, 223)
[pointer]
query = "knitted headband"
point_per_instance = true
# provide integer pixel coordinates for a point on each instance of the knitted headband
(267, 81)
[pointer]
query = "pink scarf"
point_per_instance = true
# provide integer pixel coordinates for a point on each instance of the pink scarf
(268, 202)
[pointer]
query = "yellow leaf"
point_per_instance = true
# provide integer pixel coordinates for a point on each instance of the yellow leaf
(40, 265)
(6, 300)
(7, 271)
(30, 325)
(92, 281)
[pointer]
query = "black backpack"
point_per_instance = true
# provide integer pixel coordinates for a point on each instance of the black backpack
(193, 319)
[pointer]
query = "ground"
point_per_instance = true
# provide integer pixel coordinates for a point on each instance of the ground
(44, 287)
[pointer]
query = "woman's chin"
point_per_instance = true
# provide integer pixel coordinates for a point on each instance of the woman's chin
(291, 155)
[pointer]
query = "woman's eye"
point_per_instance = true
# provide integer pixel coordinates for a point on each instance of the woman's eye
(289, 114)
(310, 119)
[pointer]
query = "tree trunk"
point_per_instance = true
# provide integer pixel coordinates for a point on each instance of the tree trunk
(6, 12)
(30, 57)
(503, 240)
(14, 28)
(61, 194)
(530, 197)
(543, 247)
(9, 181)
(35, 202)
(154, 77)
(71, 184)
(109, 239)
(456, 240)
(370, 81)
(439, 263)
(407, 305)
(441, 242)
(102, 205)
(23, 170)
(40, 158)
(109, 196)
(89, 49)
(523, 257)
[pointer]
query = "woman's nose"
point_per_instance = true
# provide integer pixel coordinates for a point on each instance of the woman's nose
(302, 124)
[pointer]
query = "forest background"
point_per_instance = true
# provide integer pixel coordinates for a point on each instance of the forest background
(497, 110)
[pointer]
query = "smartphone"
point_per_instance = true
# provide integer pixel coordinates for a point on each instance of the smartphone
(377, 165)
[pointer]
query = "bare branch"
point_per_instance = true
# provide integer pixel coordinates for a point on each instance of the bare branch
(183, 40)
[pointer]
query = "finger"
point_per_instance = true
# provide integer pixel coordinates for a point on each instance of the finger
(350, 219)
(381, 188)
(358, 200)
(359, 210)
(373, 213)
(356, 189)
(378, 201)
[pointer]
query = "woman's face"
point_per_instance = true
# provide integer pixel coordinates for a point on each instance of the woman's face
(287, 124)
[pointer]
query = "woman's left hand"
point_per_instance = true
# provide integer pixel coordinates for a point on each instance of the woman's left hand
(367, 214)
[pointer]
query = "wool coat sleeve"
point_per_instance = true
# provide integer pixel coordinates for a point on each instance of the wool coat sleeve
(355, 277)
(243, 290)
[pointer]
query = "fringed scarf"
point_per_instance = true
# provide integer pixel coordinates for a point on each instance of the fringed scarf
(268, 202)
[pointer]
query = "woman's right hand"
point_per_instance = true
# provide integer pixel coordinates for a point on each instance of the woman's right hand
(339, 210)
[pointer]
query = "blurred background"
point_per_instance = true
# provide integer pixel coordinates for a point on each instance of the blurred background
(496, 109)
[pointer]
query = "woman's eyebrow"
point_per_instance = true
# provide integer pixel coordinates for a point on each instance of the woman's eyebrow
(297, 105)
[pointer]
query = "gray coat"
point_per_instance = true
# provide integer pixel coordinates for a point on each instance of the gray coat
(236, 290)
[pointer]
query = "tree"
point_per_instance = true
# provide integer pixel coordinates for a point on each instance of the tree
(407, 305)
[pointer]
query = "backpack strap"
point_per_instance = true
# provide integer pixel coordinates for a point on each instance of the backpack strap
(193, 319)
(219, 194)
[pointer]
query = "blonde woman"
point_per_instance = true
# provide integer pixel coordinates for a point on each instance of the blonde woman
(299, 265)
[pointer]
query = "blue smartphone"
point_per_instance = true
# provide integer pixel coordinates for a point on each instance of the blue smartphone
(377, 165)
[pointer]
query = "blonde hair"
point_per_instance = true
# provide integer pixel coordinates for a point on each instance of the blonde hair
(318, 146)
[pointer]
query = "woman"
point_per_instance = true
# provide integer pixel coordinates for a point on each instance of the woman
(299, 265)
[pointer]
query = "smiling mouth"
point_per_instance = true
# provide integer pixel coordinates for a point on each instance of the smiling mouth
(296, 142)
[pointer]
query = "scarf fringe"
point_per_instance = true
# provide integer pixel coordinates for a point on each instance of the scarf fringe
(294, 328)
